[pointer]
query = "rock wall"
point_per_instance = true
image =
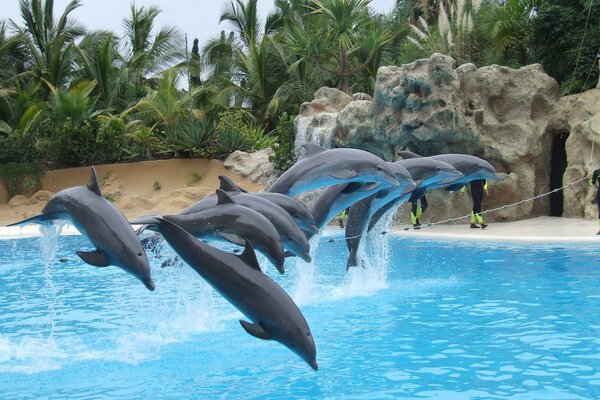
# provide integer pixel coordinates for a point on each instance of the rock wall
(512, 118)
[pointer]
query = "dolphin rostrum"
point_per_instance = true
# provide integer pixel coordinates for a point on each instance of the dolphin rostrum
(273, 313)
(103, 224)
(321, 168)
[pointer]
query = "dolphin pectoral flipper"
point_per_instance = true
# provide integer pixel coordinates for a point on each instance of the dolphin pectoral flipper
(232, 238)
(255, 330)
(95, 258)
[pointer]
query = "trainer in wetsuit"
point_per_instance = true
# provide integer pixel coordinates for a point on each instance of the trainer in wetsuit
(595, 181)
(417, 210)
(477, 188)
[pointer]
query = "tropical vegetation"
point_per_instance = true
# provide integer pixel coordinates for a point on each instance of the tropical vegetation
(70, 96)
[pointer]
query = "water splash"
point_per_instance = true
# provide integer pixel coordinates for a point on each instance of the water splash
(305, 275)
(48, 246)
(314, 129)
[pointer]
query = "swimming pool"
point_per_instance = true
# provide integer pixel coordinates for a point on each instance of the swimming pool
(438, 320)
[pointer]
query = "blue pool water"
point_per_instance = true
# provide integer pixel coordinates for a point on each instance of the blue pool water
(431, 320)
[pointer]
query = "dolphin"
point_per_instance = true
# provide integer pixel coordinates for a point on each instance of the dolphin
(471, 167)
(273, 313)
(232, 222)
(294, 240)
(304, 219)
(103, 224)
(337, 198)
(429, 174)
(321, 168)
(360, 213)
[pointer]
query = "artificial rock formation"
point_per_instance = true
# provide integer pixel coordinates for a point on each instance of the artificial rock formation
(254, 166)
(516, 119)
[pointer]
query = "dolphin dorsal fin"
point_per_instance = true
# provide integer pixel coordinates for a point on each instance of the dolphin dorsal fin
(249, 256)
(228, 185)
(405, 154)
(312, 149)
(93, 183)
(223, 197)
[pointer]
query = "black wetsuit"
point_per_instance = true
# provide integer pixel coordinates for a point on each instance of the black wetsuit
(596, 182)
(476, 187)
(416, 195)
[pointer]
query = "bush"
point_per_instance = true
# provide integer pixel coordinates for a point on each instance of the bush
(21, 178)
(283, 152)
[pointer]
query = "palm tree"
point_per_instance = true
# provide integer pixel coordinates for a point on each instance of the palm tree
(509, 26)
(99, 60)
(332, 41)
(49, 42)
(147, 55)
(248, 66)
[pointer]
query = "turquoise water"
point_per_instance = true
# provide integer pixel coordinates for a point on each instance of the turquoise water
(431, 320)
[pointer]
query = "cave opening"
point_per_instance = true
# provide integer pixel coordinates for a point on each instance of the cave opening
(558, 165)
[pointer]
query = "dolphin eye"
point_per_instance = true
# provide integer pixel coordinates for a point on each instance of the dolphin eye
(289, 238)
(438, 169)
(139, 254)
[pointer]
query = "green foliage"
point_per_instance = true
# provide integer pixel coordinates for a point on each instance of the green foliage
(229, 140)
(195, 178)
(562, 44)
(157, 186)
(192, 137)
(283, 152)
(258, 138)
(21, 178)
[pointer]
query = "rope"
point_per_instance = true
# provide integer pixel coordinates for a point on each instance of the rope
(331, 240)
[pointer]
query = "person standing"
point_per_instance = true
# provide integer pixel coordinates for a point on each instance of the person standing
(416, 209)
(478, 189)
(594, 180)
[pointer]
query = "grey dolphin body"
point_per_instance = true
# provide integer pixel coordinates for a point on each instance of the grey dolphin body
(294, 240)
(103, 224)
(429, 174)
(360, 213)
(273, 313)
(226, 219)
(471, 167)
(304, 219)
(337, 198)
(321, 168)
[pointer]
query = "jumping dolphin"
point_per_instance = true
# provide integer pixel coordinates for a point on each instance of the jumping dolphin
(471, 167)
(273, 313)
(304, 219)
(103, 224)
(321, 168)
(226, 219)
(360, 213)
(337, 198)
(294, 240)
(429, 173)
